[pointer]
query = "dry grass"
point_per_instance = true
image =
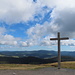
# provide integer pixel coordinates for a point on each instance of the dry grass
(69, 64)
(32, 67)
(20, 66)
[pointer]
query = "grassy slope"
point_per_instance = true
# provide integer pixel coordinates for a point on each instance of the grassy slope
(69, 64)
(32, 67)
(21, 66)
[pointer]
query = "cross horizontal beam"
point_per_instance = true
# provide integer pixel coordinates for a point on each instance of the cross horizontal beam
(59, 53)
(66, 38)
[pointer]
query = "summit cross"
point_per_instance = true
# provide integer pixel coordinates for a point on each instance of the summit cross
(59, 53)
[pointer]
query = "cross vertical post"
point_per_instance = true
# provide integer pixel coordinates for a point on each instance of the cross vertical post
(59, 53)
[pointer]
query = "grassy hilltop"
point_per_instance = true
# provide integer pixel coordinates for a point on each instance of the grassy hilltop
(27, 60)
(70, 65)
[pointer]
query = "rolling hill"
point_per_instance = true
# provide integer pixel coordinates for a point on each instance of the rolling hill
(40, 53)
(33, 57)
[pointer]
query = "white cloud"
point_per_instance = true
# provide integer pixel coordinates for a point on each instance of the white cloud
(63, 16)
(46, 42)
(6, 39)
(26, 44)
(40, 34)
(68, 42)
(2, 30)
(38, 31)
(15, 11)
(59, 3)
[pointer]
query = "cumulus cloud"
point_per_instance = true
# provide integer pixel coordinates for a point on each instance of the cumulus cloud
(68, 42)
(41, 33)
(16, 11)
(26, 44)
(62, 19)
(63, 15)
(6, 39)
(46, 42)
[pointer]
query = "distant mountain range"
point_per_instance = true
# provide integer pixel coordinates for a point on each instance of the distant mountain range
(40, 54)
(34, 57)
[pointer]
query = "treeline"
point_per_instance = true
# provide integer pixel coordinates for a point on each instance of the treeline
(25, 60)
(32, 60)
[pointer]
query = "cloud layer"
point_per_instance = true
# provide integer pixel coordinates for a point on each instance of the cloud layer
(62, 15)
(16, 11)
(62, 20)
(6, 39)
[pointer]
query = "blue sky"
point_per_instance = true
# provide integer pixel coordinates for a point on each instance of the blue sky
(29, 24)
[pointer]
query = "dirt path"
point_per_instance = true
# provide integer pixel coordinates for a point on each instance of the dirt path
(44, 71)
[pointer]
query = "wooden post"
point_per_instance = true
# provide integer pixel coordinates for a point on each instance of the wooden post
(59, 52)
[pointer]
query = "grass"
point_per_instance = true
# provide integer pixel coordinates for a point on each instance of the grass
(70, 65)
(15, 56)
(2, 55)
(20, 66)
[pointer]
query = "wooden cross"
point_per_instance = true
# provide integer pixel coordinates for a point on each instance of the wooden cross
(59, 54)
